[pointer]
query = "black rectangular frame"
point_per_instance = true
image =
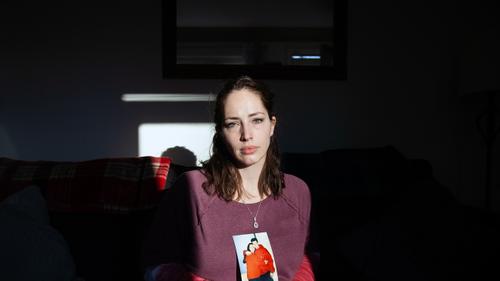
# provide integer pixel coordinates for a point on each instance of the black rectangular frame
(172, 70)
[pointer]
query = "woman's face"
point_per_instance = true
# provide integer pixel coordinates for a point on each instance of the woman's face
(247, 128)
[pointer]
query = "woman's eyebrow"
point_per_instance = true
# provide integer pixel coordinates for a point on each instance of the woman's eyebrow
(255, 113)
(249, 115)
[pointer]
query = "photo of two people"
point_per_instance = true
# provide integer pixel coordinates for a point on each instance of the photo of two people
(255, 257)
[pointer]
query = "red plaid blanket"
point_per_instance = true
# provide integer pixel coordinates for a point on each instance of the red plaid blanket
(112, 185)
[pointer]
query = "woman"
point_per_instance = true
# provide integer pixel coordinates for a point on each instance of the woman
(240, 189)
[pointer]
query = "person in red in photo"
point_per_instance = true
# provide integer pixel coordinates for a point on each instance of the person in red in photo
(253, 263)
(266, 262)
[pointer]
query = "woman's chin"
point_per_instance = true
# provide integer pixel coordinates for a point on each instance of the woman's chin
(246, 162)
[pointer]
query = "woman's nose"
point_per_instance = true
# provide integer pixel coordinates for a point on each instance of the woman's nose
(246, 133)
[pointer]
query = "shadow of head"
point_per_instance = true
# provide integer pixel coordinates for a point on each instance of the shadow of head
(181, 156)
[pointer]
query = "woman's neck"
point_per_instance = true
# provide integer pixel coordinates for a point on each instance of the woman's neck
(250, 184)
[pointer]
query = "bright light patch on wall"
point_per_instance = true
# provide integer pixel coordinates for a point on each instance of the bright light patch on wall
(181, 138)
(149, 97)
(297, 57)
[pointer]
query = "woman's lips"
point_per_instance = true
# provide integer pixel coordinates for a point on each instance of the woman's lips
(248, 150)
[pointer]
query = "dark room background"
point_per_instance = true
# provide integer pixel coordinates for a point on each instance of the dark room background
(410, 70)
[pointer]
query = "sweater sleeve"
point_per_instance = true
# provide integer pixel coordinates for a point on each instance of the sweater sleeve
(169, 236)
(304, 202)
(300, 198)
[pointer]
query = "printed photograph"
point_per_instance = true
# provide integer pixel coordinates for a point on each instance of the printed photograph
(255, 257)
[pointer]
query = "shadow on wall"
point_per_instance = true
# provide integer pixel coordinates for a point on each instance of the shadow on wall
(181, 156)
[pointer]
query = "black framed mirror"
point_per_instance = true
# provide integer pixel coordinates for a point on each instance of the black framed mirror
(266, 39)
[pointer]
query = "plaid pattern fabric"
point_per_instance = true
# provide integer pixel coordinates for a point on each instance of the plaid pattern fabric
(111, 185)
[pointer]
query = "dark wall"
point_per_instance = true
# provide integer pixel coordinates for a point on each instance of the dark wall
(64, 68)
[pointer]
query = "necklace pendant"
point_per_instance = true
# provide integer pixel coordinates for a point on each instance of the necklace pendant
(255, 223)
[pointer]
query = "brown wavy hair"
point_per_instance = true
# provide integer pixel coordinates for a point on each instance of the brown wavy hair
(223, 178)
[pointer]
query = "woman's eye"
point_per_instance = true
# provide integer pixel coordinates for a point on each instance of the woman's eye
(230, 125)
(258, 120)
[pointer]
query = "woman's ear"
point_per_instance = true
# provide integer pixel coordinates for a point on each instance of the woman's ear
(273, 125)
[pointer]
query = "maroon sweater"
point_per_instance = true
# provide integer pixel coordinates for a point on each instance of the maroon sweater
(196, 229)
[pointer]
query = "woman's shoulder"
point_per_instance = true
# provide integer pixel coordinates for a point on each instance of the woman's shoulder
(297, 195)
(194, 175)
(190, 178)
(192, 181)
(295, 184)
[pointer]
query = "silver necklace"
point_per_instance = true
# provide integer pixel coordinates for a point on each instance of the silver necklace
(255, 223)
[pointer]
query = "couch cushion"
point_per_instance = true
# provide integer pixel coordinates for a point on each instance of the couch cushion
(105, 246)
(31, 249)
(361, 183)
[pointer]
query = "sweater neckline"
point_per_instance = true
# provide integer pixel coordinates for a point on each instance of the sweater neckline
(252, 204)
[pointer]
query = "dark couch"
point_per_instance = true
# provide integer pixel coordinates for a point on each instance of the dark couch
(388, 219)
(391, 220)
(108, 246)
(101, 209)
